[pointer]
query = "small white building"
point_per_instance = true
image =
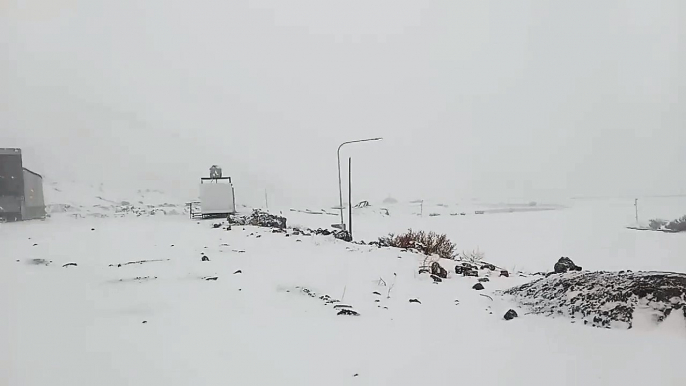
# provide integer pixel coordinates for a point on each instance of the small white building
(216, 196)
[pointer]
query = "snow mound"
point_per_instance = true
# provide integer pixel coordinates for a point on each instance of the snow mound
(606, 299)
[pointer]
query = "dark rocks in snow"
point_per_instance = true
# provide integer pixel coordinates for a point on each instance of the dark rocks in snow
(605, 299)
(69, 265)
(216, 225)
(205, 258)
(436, 279)
(565, 264)
(510, 314)
(343, 235)
(439, 271)
(423, 270)
(342, 306)
(239, 271)
(376, 293)
(470, 272)
(139, 262)
(145, 321)
(484, 280)
(259, 218)
(504, 273)
(459, 269)
(39, 262)
(478, 286)
(489, 267)
(348, 312)
(214, 278)
(415, 301)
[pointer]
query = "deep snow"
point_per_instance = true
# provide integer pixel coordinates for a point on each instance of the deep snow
(84, 325)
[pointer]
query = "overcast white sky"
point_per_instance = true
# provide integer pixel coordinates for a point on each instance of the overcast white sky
(498, 99)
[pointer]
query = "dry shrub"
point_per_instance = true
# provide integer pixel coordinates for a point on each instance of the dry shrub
(678, 225)
(428, 243)
(656, 224)
(474, 256)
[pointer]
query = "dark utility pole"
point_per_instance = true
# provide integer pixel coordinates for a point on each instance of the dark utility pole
(350, 197)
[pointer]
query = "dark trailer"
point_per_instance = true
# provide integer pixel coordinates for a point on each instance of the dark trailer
(21, 190)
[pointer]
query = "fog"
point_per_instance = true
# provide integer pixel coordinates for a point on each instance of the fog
(490, 99)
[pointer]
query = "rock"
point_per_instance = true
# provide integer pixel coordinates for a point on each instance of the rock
(470, 272)
(478, 286)
(439, 271)
(459, 269)
(490, 267)
(69, 265)
(39, 262)
(145, 321)
(484, 280)
(92, 229)
(343, 235)
(349, 312)
(504, 273)
(423, 270)
(211, 278)
(566, 264)
(511, 314)
(239, 271)
(415, 301)
(376, 293)
(436, 279)
(205, 258)
(216, 225)
(259, 218)
(342, 306)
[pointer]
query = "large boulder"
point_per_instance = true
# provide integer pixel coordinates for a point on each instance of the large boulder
(565, 264)
(439, 271)
(606, 299)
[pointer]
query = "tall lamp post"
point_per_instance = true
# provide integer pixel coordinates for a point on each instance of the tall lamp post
(340, 189)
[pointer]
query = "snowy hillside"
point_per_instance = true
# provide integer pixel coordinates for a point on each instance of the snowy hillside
(139, 306)
(82, 199)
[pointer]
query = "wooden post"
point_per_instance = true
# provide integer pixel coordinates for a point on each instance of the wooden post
(350, 197)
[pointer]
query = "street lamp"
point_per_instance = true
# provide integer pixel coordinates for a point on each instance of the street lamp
(340, 189)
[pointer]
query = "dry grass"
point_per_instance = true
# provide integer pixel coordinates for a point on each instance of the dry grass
(429, 243)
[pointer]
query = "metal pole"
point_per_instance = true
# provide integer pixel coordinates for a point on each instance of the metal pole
(350, 197)
(340, 189)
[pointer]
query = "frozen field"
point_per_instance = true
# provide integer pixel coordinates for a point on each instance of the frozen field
(162, 323)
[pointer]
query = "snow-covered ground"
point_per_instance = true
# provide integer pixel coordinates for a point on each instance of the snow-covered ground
(160, 322)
